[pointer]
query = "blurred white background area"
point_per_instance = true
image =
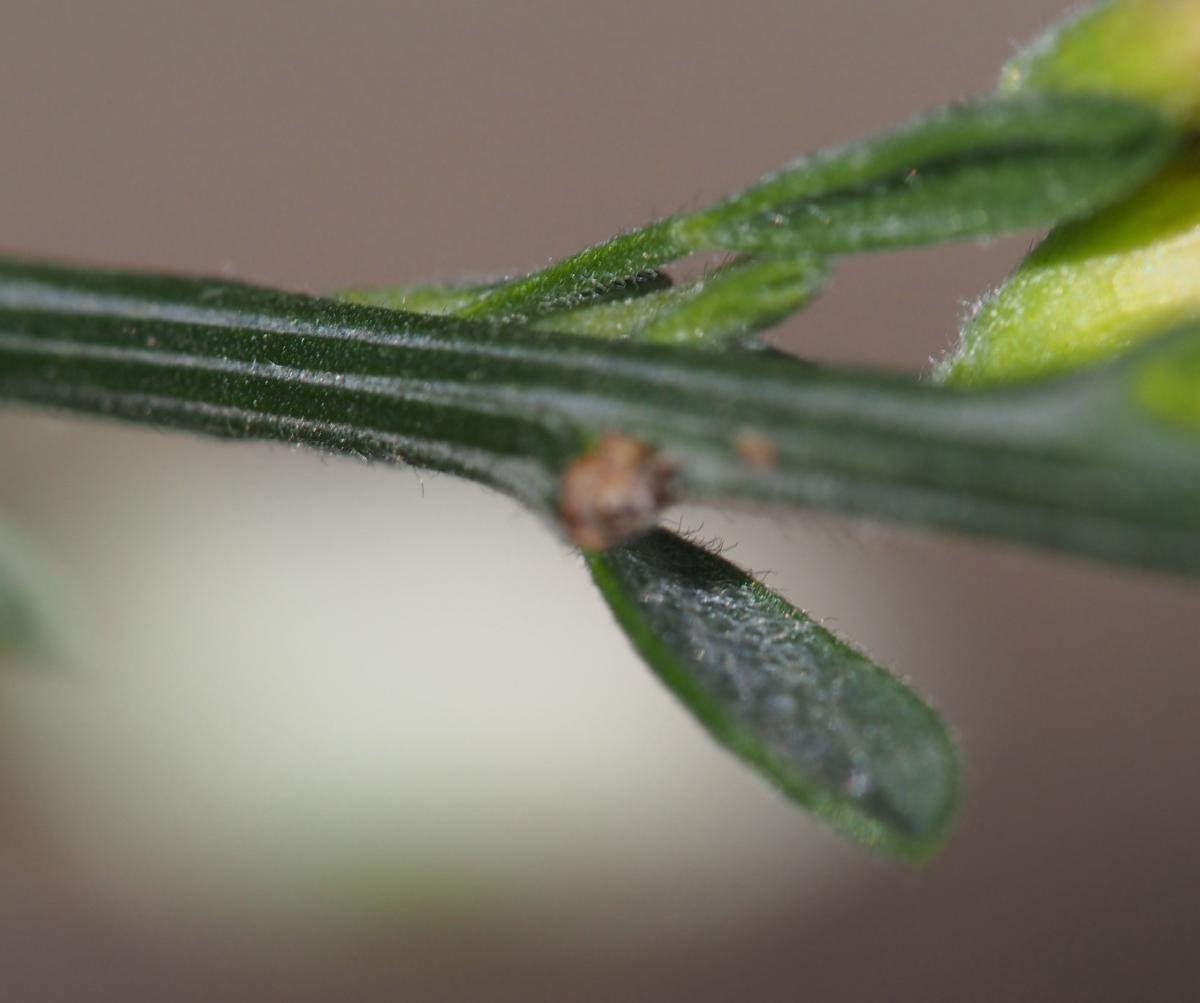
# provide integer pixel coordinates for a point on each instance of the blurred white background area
(309, 691)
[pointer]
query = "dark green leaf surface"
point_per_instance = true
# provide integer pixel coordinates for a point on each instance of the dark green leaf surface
(834, 731)
(1078, 464)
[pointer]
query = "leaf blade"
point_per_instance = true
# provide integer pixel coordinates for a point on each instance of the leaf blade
(976, 169)
(834, 731)
(990, 166)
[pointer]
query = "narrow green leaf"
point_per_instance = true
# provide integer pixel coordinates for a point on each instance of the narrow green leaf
(430, 298)
(1073, 464)
(723, 307)
(975, 169)
(451, 298)
(833, 730)
(572, 281)
(970, 170)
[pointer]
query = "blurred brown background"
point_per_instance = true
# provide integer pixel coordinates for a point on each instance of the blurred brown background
(292, 745)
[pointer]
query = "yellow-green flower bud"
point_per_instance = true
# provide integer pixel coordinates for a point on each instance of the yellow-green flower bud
(1146, 50)
(1092, 288)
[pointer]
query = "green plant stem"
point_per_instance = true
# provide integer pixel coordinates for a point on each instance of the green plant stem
(1074, 465)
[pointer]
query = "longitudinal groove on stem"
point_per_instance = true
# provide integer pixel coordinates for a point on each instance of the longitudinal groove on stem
(1053, 466)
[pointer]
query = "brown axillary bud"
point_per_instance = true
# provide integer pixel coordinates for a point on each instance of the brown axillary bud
(756, 450)
(614, 491)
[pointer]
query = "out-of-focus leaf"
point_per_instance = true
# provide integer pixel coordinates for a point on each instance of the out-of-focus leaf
(832, 729)
(20, 623)
(16, 616)
(1165, 384)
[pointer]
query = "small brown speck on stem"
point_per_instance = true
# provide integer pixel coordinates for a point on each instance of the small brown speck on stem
(613, 491)
(756, 450)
